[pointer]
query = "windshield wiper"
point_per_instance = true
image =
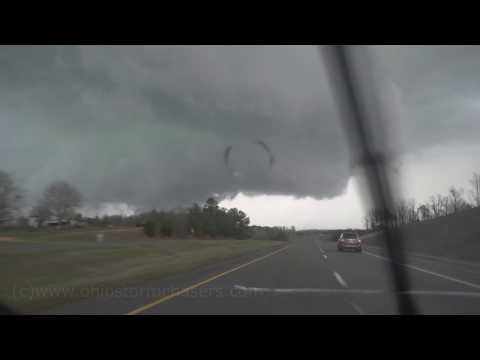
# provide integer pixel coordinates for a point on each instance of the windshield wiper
(339, 62)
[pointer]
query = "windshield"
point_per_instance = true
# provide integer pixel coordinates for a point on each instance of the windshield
(220, 179)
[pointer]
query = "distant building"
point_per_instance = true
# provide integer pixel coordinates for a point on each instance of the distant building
(55, 222)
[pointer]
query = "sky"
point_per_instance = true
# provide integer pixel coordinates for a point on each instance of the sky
(142, 127)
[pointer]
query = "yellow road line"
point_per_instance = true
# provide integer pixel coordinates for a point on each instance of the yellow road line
(180, 292)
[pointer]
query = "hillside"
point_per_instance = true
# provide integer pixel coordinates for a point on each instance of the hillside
(454, 236)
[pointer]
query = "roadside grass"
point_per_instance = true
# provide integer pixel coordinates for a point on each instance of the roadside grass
(43, 270)
(71, 234)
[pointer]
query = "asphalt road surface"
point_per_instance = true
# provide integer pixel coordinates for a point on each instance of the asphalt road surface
(307, 276)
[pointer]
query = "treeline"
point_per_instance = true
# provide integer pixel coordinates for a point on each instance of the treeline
(277, 233)
(408, 212)
(59, 208)
(208, 220)
(60, 200)
(111, 220)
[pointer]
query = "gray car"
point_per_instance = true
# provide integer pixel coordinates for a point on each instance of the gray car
(349, 241)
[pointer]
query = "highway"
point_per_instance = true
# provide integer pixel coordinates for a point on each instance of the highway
(305, 277)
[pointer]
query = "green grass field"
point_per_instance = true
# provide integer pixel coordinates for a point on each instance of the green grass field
(75, 259)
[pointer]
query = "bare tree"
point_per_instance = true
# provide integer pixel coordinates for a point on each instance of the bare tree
(41, 212)
(412, 215)
(366, 221)
(59, 199)
(424, 212)
(436, 205)
(376, 219)
(9, 197)
(390, 218)
(393, 218)
(475, 192)
(371, 219)
(445, 205)
(402, 212)
(456, 200)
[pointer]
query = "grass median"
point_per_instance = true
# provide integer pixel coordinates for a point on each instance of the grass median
(49, 262)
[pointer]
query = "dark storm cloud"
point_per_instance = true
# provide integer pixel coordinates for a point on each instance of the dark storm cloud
(150, 125)
(435, 91)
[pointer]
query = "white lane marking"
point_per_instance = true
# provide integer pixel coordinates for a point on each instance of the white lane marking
(473, 294)
(443, 293)
(340, 279)
(446, 277)
(319, 247)
(432, 257)
(357, 308)
(342, 282)
(308, 290)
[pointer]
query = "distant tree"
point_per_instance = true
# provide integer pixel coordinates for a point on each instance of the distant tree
(373, 215)
(444, 201)
(424, 212)
(195, 220)
(273, 233)
(207, 220)
(225, 224)
(60, 199)
(22, 222)
(149, 228)
(211, 204)
(402, 212)
(457, 203)
(10, 196)
(165, 223)
(412, 213)
(210, 211)
(278, 234)
(378, 218)
(366, 220)
(180, 225)
(465, 206)
(41, 212)
(436, 205)
(475, 192)
(239, 222)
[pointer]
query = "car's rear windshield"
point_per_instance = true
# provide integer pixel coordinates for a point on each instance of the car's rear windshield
(350, 235)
